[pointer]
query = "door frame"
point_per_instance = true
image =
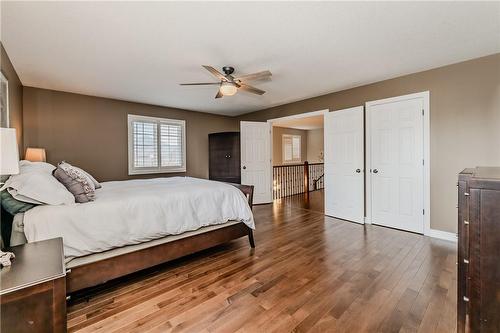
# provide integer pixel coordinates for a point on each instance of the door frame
(425, 95)
(294, 116)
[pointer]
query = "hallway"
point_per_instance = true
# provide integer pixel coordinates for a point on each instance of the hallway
(313, 200)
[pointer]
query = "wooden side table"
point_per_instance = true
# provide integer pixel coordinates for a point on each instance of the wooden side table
(33, 289)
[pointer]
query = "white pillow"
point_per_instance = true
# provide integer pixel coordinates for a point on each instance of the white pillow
(38, 188)
(28, 166)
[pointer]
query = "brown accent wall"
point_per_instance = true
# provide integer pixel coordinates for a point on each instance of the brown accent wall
(91, 132)
(15, 96)
(278, 143)
(465, 121)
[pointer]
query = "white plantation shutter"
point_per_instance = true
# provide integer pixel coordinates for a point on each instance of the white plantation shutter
(296, 147)
(156, 145)
(287, 148)
(145, 144)
(171, 144)
(291, 148)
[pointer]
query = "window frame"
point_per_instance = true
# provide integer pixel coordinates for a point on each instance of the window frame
(132, 170)
(291, 136)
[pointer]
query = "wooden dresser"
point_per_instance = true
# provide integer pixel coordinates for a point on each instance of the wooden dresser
(224, 157)
(478, 302)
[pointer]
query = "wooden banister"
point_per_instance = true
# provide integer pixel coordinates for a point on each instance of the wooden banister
(291, 179)
(306, 177)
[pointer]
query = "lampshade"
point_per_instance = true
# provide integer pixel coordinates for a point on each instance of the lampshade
(228, 89)
(9, 156)
(35, 155)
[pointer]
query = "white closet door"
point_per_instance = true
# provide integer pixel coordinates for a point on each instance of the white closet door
(344, 162)
(396, 162)
(255, 140)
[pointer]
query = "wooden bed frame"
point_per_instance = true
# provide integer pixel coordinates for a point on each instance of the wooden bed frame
(98, 272)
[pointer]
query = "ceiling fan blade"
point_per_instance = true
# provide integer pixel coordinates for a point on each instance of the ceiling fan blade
(215, 72)
(251, 89)
(199, 84)
(219, 94)
(254, 76)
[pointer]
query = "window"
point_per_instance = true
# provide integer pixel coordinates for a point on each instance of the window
(156, 145)
(291, 148)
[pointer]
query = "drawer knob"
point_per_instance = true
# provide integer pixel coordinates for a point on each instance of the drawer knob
(466, 194)
(466, 222)
(466, 261)
(466, 299)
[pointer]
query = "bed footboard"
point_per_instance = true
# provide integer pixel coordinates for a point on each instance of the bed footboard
(248, 191)
(98, 272)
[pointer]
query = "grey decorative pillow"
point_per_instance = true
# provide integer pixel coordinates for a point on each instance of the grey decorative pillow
(76, 181)
(97, 185)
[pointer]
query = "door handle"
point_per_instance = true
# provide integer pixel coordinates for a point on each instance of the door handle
(244, 167)
(358, 170)
(375, 171)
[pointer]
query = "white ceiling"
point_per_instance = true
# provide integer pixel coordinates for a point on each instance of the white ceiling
(141, 51)
(306, 123)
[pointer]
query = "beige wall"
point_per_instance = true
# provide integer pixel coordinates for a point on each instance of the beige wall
(91, 132)
(278, 146)
(314, 145)
(465, 121)
(15, 96)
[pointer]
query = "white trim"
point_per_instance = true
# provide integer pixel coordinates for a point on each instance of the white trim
(140, 171)
(445, 235)
(300, 115)
(425, 95)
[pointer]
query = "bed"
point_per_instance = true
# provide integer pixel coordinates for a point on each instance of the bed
(137, 224)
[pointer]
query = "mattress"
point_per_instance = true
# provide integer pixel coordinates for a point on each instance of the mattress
(137, 211)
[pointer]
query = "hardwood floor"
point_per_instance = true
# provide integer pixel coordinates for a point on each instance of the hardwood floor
(308, 273)
(313, 201)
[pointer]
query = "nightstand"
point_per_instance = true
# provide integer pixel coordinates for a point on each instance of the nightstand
(33, 288)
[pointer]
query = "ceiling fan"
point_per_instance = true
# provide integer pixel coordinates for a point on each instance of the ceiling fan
(229, 85)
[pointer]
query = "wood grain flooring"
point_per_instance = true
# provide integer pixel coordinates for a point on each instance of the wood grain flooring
(308, 273)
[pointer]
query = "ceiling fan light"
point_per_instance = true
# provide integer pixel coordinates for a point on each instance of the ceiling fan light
(228, 89)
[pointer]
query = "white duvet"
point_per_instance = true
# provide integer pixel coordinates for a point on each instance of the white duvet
(136, 211)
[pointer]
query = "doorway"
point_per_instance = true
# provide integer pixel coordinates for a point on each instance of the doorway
(297, 160)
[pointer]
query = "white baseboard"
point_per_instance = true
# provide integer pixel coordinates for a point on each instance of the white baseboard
(445, 235)
(434, 233)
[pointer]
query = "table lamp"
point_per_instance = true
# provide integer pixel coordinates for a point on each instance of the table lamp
(35, 155)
